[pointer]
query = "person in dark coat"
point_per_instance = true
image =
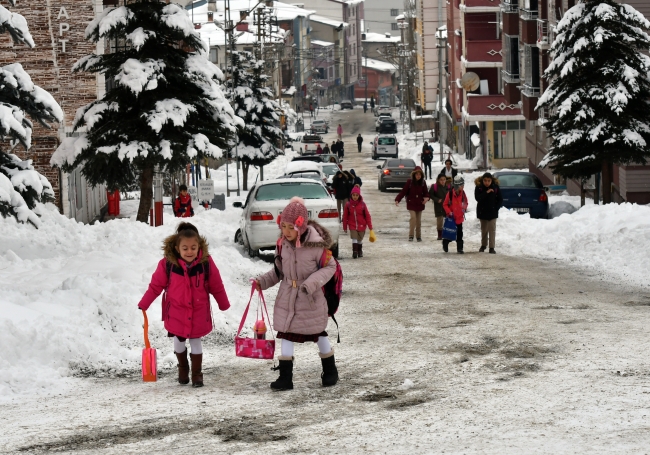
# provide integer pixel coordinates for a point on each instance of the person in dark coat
(449, 171)
(342, 186)
(339, 148)
(437, 193)
(359, 142)
(357, 180)
(334, 148)
(417, 194)
(489, 200)
(426, 157)
(326, 149)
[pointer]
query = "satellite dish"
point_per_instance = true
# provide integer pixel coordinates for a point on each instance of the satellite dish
(470, 82)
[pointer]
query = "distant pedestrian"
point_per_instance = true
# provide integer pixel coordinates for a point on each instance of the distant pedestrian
(339, 131)
(300, 311)
(357, 180)
(341, 186)
(417, 195)
(356, 217)
(326, 149)
(426, 157)
(183, 203)
(438, 192)
(334, 148)
(489, 200)
(455, 205)
(311, 110)
(319, 150)
(372, 103)
(449, 171)
(359, 142)
(365, 107)
(340, 148)
(187, 300)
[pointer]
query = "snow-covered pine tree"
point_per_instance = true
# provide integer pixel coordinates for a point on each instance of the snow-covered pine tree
(21, 187)
(166, 107)
(599, 91)
(259, 140)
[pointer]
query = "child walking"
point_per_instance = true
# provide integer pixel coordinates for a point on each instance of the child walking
(357, 218)
(455, 205)
(438, 193)
(300, 313)
(188, 275)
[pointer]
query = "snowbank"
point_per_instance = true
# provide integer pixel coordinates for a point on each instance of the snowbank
(70, 294)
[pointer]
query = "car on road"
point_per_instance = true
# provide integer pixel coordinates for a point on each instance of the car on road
(310, 143)
(346, 104)
(388, 126)
(258, 229)
(319, 126)
(385, 145)
(394, 173)
(304, 169)
(383, 110)
(380, 119)
(524, 193)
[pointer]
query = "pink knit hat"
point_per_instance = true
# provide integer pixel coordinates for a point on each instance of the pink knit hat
(295, 213)
(356, 190)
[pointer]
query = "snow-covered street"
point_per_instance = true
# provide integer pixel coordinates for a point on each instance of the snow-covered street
(538, 349)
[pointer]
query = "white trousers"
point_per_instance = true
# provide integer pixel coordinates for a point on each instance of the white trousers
(324, 346)
(195, 346)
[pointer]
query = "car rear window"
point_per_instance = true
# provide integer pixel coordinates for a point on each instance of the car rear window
(397, 163)
(519, 181)
(330, 169)
(386, 141)
(304, 175)
(280, 191)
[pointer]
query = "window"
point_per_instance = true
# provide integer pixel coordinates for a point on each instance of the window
(393, 26)
(509, 140)
(321, 73)
(214, 57)
(280, 191)
(511, 71)
(331, 73)
(394, 12)
(531, 71)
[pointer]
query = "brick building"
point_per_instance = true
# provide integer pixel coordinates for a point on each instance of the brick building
(58, 28)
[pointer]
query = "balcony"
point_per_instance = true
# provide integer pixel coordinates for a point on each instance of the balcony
(542, 34)
(530, 10)
(510, 6)
(510, 78)
(484, 107)
(483, 53)
(530, 91)
(482, 4)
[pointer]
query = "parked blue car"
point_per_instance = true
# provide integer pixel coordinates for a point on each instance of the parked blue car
(523, 192)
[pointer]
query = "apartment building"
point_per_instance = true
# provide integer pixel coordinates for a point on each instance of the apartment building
(380, 16)
(527, 32)
(428, 16)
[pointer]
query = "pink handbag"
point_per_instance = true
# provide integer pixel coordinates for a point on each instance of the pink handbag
(254, 348)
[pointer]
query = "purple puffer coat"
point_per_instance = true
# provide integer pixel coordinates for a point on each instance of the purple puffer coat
(300, 306)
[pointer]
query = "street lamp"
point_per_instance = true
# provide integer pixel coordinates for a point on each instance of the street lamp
(441, 36)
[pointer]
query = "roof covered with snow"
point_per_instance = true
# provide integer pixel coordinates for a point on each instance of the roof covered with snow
(327, 21)
(378, 65)
(381, 38)
(318, 42)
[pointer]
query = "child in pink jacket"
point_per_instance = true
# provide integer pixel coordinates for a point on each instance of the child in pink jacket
(188, 275)
(356, 217)
(455, 205)
(300, 312)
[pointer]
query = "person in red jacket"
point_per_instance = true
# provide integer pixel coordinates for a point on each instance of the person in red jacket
(356, 217)
(183, 203)
(455, 206)
(417, 194)
(188, 275)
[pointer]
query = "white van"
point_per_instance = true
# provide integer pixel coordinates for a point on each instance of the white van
(385, 146)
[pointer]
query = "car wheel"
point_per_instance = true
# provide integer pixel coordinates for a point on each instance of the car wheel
(238, 237)
(252, 253)
(382, 186)
(335, 251)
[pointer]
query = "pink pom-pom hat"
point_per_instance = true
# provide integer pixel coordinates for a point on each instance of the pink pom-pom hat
(295, 213)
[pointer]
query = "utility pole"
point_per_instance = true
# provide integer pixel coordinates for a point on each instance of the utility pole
(442, 44)
(365, 51)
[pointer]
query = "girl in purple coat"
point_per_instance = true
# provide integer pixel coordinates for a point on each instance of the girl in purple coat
(417, 195)
(356, 217)
(188, 275)
(300, 312)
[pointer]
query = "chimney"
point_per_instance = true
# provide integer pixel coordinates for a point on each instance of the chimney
(243, 14)
(388, 35)
(210, 16)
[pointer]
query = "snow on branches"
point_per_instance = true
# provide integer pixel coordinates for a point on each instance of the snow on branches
(599, 87)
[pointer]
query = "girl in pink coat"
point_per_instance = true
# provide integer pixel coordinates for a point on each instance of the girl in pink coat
(300, 312)
(455, 205)
(356, 217)
(188, 275)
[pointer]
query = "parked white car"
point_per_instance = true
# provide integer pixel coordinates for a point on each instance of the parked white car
(258, 229)
(319, 127)
(304, 169)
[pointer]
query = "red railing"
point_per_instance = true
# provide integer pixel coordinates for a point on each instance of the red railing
(492, 105)
(483, 51)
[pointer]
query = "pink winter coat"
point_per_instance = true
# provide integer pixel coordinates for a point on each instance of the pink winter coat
(300, 306)
(458, 205)
(186, 308)
(356, 216)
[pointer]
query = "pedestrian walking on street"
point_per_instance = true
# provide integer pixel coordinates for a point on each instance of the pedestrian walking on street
(339, 131)
(334, 148)
(357, 218)
(449, 171)
(311, 110)
(326, 149)
(319, 150)
(426, 157)
(357, 179)
(365, 107)
(455, 205)
(341, 186)
(183, 203)
(340, 148)
(489, 200)
(417, 194)
(438, 192)
(188, 275)
(300, 312)
(359, 142)
(372, 103)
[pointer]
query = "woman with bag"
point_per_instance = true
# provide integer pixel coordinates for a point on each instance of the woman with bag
(188, 275)
(417, 194)
(489, 200)
(438, 193)
(357, 218)
(300, 312)
(455, 205)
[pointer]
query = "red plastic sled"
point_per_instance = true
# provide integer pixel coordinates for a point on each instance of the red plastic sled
(149, 356)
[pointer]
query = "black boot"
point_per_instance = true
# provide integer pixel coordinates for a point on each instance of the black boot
(482, 249)
(445, 246)
(285, 381)
(183, 367)
(360, 249)
(492, 251)
(355, 250)
(330, 375)
(197, 375)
